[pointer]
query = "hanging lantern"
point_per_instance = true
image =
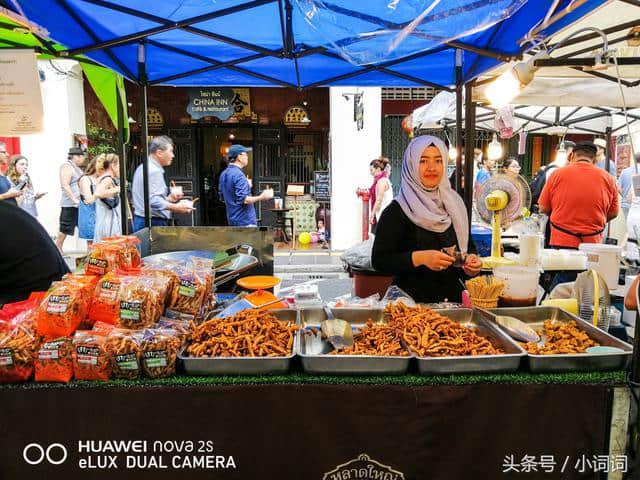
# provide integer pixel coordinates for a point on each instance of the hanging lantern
(407, 124)
(494, 151)
(453, 153)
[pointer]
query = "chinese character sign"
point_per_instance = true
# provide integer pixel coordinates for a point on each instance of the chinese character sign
(20, 98)
(221, 103)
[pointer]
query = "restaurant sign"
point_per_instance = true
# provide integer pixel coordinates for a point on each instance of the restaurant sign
(221, 103)
(363, 468)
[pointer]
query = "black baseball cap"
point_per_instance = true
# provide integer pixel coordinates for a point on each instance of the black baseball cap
(586, 147)
(76, 151)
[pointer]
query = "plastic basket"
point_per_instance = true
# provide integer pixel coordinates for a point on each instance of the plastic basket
(484, 302)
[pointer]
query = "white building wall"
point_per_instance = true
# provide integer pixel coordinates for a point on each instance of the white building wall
(64, 115)
(351, 152)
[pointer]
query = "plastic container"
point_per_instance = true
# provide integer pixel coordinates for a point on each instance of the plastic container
(531, 245)
(604, 259)
(481, 237)
(568, 304)
(553, 259)
(521, 285)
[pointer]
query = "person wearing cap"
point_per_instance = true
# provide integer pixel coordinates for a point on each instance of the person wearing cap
(236, 191)
(580, 199)
(70, 173)
(601, 157)
(161, 202)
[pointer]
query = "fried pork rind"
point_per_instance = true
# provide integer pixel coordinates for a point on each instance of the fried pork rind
(62, 309)
(18, 348)
(138, 304)
(192, 290)
(379, 340)
(90, 356)
(429, 334)
(560, 338)
(159, 352)
(250, 333)
(125, 353)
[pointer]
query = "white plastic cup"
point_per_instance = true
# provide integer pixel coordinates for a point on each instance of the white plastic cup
(177, 190)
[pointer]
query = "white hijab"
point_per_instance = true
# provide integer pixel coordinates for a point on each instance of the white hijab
(432, 209)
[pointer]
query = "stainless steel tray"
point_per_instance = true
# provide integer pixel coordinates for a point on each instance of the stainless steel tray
(579, 362)
(242, 365)
(480, 321)
(346, 364)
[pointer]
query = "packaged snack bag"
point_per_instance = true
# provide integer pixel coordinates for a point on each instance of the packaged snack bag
(62, 310)
(159, 352)
(54, 360)
(105, 306)
(193, 288)
(124, 347)
(138, 304)
(17, 352)
(90, 356)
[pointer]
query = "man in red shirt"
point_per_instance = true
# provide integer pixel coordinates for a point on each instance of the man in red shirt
(580, 199)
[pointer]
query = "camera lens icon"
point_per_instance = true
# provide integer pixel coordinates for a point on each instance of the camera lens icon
(35, 454)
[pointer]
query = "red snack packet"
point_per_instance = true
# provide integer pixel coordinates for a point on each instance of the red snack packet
(54, 360)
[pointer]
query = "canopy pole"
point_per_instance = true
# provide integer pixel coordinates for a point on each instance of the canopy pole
(469, 144)
(144, 132)
(123, 163)
(458, 121)
(607, 133)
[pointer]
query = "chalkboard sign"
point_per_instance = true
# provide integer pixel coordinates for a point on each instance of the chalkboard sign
(322, 186)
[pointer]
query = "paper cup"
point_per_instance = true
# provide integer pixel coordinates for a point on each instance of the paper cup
(177, 190)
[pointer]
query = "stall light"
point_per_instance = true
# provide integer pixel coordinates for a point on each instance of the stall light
(226, 150)
(561, 154)
(453, 153)
(510, 83)
(231, 136)
(494, 151)
(131, 120)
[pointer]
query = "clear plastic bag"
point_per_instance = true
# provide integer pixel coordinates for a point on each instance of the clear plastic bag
(125, 353)
(139, 306)
(159, 352)
(394, 295)
(359, 255)
(17, 353)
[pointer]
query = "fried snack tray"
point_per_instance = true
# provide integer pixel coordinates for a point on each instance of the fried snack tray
(481, 322)
(241, 365)
(346, 364)
(578, 362)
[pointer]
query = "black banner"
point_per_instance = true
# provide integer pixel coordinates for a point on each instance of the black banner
(323, 432)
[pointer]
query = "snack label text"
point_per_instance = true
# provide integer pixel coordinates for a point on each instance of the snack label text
(155, 358)
(130, 310)
(109, 291)
(127, 361)
(58, 303)
(88, 355)
(97, 266)
(187, 288)
(6, 357)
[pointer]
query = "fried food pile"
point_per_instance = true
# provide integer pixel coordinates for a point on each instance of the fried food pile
(430, 334)
(560, 338)
(250, 333)
(377, 340)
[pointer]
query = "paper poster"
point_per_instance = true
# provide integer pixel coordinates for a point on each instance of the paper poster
(20, 98)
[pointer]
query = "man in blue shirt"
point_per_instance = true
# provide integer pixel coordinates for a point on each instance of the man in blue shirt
(161, 202)
(236, 191)
(626, 185)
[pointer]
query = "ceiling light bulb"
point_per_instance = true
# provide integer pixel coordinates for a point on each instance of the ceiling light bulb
(231, 136)
(503, 89)
(453, 153)
(494, 151)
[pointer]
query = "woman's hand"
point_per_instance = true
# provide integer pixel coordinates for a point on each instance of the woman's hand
(472, 265)
(432, 259)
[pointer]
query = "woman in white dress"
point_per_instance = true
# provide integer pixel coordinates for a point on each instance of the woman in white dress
(107, 193)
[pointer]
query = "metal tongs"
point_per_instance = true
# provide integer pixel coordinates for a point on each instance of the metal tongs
(338, 332)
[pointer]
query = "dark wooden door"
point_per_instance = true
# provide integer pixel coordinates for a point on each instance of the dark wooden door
(269, 157)
(184, 172)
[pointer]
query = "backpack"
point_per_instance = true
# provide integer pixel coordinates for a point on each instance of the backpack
(538, 182)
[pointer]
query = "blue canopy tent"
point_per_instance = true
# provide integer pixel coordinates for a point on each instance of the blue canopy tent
(302, 43)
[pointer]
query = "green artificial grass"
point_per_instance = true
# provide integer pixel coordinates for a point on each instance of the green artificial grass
(300, 378)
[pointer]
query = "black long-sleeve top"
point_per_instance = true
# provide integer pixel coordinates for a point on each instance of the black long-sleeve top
(396, 238)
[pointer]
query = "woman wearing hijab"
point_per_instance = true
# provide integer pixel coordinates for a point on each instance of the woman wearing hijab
(426, 217)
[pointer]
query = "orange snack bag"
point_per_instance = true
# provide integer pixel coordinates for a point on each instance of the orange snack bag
(128, 256)
(54, 360)
(105, 306)
(90, 356)
(62, 310)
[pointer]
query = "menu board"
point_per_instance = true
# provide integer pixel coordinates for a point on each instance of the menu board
(322, 186)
